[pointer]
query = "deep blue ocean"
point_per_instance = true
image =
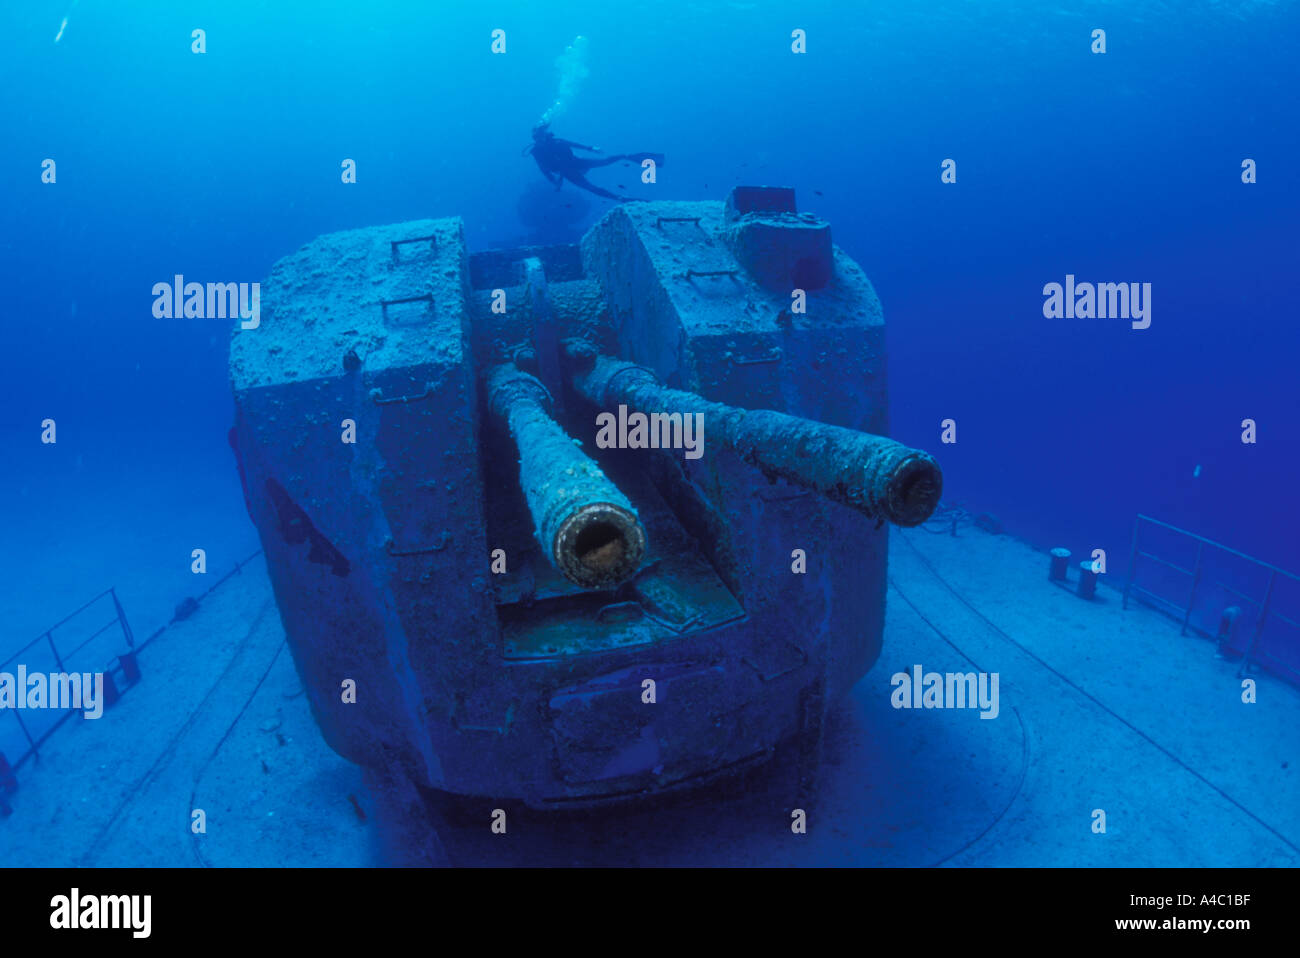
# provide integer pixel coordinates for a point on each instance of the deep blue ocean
(1117, 167)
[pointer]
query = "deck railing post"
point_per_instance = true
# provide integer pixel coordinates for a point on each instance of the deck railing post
(1196, 580)
(1259, 624)
(28, 735)
(1132, 562)
(50, 638)
(121, 617)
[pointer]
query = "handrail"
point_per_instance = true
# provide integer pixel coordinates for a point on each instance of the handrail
(1264, 604)
(1217, 545)
(119, 618)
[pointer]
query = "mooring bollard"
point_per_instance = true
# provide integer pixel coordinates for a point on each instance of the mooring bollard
(1059, 559)
(111, 693)
(8, 781)
(1228, 630)
(130, 662)
(1087, 580)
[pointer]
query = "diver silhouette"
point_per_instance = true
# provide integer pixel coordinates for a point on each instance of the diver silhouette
(556, 161)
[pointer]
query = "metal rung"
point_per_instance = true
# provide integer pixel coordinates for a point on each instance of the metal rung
(415, 397)
(1289, 621)
(390, 547)
(1176, 568)
(773, 357)
(1237, 592)
(431, 240)
(108, 625)
(1158, 598)
(425, 315)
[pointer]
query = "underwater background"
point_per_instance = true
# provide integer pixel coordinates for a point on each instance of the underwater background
(1122, 167)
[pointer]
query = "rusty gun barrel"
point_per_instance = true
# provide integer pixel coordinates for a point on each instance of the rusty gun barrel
(874, 475)
(586, 526)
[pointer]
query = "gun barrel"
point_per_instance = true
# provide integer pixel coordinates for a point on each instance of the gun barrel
(874, 475)
(586, 526)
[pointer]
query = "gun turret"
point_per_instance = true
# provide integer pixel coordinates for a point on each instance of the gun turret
(751, 605)
(874, 475)
(587, 527)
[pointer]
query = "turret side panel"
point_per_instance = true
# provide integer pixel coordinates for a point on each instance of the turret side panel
(358, 431)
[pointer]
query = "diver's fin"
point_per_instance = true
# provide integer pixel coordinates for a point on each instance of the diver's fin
(642, 157)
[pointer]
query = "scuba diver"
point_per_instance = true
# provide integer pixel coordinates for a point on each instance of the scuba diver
(556, 161)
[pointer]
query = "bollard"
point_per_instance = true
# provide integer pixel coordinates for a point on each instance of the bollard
(130, 662)
(111, 694)
(8, 782)
(1087, 580)
(1228, 631)
(1059, 559)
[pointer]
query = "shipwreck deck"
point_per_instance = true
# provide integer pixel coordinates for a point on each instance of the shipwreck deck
(1086, 722)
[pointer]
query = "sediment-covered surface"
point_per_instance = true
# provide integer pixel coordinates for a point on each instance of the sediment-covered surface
(1084, 723)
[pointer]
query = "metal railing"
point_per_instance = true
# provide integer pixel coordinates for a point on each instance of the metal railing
(126, 662)
(61, 659)
(1256, 650)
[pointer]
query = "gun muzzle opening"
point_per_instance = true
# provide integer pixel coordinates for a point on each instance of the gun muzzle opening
(587, 528)
(598, 545)
(912, 491)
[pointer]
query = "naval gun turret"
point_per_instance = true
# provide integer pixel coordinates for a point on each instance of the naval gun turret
(491, 582)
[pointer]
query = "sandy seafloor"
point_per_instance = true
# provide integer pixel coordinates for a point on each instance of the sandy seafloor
(1100, 708)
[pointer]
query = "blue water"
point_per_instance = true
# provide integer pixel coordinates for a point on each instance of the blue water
(1117, 167)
